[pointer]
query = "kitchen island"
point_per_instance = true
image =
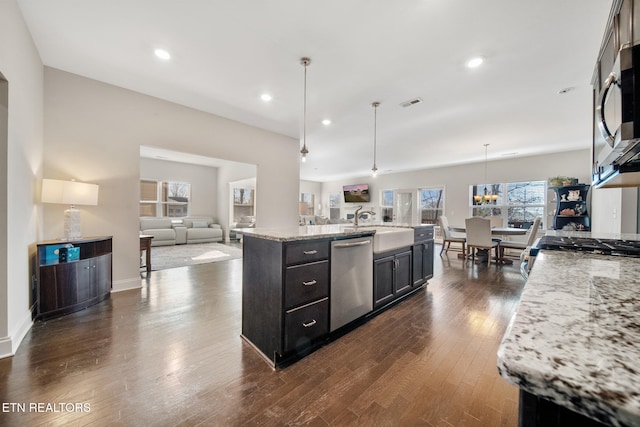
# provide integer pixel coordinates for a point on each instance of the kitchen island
(304, 286)
(573, 346)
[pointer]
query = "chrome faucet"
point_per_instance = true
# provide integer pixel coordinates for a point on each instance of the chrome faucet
(358, 214)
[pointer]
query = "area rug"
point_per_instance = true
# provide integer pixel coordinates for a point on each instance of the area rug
(163, 257)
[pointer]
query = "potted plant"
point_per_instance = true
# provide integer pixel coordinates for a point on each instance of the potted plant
(557, 181)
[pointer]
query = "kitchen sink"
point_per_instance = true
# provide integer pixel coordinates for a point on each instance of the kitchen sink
(388, 238)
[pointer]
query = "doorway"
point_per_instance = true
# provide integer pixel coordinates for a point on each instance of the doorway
(403, 206)
(208, 196)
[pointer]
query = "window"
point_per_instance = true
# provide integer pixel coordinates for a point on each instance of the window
(486, 200)
(175, 199)
(522, 202)
(148, 198)
(525, 201)
(164, 198)
(243, 203)
(334, 206)
(386, 205)
(431, 205)
(306, 203)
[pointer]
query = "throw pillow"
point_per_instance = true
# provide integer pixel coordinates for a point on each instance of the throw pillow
(200, 224)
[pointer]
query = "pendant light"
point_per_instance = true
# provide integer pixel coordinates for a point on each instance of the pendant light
(484, 198)
(304, 151)
(374, 169)
(491, 196)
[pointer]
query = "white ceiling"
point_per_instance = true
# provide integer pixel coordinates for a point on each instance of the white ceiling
(225, 54)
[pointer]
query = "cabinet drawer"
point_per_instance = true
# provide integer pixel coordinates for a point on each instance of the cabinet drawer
(299, 253)
(422, 233)
(305, 283)
(303, 325)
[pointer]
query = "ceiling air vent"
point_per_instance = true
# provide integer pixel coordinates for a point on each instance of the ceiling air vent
(411, 102)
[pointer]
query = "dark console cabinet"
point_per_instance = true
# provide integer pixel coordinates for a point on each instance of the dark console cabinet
(65, 284)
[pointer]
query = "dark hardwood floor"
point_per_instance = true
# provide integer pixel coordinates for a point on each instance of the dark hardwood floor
(171, 354)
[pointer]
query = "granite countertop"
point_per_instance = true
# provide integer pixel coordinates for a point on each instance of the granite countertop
(306, 232)
(575, 338)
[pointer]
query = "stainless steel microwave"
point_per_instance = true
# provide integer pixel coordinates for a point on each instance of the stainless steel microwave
(616, 135)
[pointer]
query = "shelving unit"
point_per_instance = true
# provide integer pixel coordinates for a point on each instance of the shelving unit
(572, 209)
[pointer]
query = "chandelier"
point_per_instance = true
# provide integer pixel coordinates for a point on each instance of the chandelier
(485, 197)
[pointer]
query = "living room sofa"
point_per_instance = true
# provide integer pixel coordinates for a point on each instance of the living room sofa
(188, 230)
(202, 230)
(244, 222)
(163, 231)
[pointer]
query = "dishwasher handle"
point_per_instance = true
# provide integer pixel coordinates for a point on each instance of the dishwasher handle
(351, 245)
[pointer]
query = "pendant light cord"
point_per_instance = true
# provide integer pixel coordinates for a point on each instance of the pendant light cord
(304, 112)
(374, 169)
(304, 151)
(375, 129)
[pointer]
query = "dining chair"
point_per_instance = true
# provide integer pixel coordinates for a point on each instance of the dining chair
(496, 221)
(448, 236)
(531, 237)
(479, 237)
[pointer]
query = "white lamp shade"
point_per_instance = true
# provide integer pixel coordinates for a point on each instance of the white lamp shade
(69, 192)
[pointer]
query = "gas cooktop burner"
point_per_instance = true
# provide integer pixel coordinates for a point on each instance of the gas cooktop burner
(588, 244)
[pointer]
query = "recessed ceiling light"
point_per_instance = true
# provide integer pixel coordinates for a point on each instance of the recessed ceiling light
(162, 54)
(326, 122)
(266, 97)
(475, 62)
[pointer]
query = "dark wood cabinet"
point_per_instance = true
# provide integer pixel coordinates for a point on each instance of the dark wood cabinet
(383, 278)
(285, 296)
(392, 276)
(73, 281)
(422, 255)
(572, 211)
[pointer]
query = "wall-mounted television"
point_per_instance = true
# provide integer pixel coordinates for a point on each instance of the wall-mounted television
(358, 193)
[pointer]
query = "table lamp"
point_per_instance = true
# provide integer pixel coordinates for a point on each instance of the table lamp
(70, 193)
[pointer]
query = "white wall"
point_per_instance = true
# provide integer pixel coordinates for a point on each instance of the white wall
(232, 172)
(456, 179)
(20, 173)
(203, 180)
(614, 210)
(314, 187)
(94, 132)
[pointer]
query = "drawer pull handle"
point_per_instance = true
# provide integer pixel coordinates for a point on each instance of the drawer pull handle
(420, 235)
(313, 252)
(311, 283)
(310, 324)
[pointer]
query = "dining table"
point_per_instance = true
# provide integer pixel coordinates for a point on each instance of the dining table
(496, 231)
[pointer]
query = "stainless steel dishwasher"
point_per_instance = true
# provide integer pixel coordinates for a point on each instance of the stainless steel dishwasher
(351, 280)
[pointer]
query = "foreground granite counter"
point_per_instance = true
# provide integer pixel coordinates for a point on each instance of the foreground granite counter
(575, 338)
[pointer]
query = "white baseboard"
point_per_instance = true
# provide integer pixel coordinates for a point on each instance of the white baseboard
(9, 345)
(126, 284)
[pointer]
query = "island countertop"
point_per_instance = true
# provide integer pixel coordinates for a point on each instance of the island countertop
(306, 232)
(575, 337)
